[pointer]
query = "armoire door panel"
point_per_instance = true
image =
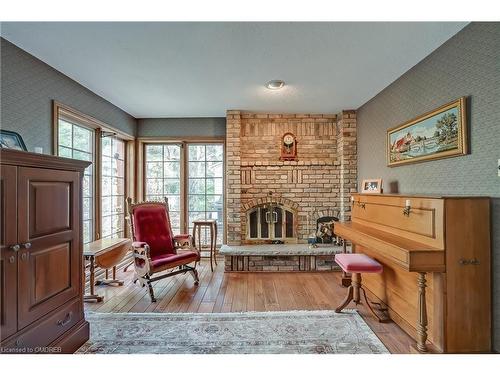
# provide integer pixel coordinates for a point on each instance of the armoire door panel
(8, 256)
(51, 270)
(49, 207)
(50, 266)
(45, 206)
(43, 287)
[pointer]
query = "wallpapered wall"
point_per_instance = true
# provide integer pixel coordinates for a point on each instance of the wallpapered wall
(28, 86)
(182, 127)
(466, 65)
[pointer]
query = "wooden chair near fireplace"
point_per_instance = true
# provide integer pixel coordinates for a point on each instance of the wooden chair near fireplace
(155, 249)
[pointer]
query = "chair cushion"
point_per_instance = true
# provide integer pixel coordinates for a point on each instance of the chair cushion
(175, 259)
(358, 263)
(152, 225)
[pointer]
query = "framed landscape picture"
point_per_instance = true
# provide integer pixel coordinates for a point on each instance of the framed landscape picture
(438, 134)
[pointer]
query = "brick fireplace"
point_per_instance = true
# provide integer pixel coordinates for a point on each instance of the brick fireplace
(259, 183)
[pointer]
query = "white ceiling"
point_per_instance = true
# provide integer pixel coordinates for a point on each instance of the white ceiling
(202, 69)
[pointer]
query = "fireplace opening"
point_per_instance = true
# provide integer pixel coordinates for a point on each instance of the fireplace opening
(325, 230)
(271, 222)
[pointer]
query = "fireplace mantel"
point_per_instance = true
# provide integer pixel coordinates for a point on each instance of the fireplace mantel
(298, 163)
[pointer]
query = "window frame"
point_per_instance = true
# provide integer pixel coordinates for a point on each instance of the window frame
(184, 142)
(124, 178)
(93, 185)
(204, 178)
(100, 128)
(181, 146)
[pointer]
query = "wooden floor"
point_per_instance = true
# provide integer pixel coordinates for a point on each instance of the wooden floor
(226, 292)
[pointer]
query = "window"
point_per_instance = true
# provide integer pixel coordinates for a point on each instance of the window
(77, 142)
(191, 176)
(112, 187)
(206, 185)
(79, 136)
(163, 178)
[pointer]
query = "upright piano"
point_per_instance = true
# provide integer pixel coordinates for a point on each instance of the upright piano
(436, 254)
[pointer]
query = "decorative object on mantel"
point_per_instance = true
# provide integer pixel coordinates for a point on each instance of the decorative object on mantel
(438, 134)
(277, 332)
(372, 186)
(11, 140)
(288, 147)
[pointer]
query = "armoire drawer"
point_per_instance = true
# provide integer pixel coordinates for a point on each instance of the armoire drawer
(49, 328)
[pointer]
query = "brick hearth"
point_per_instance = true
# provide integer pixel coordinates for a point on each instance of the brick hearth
(279, 258)
(321, 180)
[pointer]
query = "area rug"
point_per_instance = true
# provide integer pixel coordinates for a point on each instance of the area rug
(283, 332)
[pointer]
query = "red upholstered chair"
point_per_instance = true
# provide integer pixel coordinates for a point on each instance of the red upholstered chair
(156, 249)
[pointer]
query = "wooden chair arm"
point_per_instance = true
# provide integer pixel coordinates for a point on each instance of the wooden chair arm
(185, 242)
(139, 244)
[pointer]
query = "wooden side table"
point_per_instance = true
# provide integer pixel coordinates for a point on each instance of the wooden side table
(212, 225)
(105, 253)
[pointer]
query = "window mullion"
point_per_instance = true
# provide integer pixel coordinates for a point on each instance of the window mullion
(205, 195)
(97, 184)
(184, 176)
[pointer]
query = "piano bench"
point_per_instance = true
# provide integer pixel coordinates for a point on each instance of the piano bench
(357, 264)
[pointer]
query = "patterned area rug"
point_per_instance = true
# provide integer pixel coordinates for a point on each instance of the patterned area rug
(290, 332)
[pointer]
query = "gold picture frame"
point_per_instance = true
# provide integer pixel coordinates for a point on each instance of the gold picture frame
(371, 186)
(441, 133)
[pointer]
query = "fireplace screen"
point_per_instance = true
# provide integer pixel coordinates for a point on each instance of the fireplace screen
(270, 222)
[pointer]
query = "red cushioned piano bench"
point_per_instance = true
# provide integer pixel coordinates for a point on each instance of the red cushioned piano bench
(357, 264)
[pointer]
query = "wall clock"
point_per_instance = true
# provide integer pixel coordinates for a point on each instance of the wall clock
(288, 147)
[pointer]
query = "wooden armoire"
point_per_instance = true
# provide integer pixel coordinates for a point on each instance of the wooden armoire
(41, 272)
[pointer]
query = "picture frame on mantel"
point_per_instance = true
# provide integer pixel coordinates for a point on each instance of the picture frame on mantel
(11, 140)
(371, 186)
(441, 133)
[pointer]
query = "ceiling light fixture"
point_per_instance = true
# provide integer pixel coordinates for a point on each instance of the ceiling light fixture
(275, 84)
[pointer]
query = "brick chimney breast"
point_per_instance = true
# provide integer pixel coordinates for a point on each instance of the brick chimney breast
(322, 178)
